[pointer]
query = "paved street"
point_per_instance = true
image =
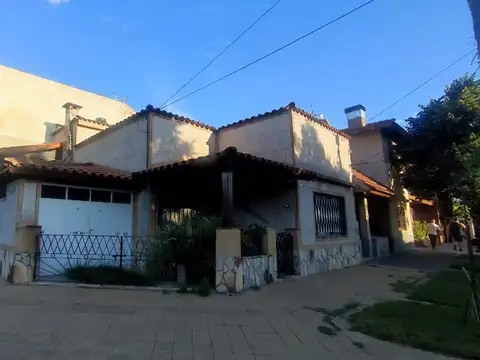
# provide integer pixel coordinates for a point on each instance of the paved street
(40, 322)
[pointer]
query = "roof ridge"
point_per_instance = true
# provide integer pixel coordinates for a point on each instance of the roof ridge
(321, 122)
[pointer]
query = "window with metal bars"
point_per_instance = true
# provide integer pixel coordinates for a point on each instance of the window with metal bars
(329, 215)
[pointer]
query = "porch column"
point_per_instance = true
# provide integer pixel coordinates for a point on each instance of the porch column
(269, 247)
(227, 198)
(228, 274)
(364, 222)
(23, 266)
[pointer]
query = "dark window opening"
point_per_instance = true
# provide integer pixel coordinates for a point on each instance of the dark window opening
(101, 196)
(330, 217)
(78, 194)
(121, 198)
(53, 192)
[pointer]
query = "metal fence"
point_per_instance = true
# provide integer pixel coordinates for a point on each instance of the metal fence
(61, 256)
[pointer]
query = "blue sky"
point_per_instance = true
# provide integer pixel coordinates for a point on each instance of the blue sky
(145, 49)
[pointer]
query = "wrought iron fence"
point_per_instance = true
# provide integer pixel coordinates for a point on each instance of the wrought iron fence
(60, 255)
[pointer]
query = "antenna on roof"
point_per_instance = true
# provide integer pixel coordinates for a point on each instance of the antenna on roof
(119, 98)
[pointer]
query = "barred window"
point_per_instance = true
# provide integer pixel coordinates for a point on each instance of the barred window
(329, 215)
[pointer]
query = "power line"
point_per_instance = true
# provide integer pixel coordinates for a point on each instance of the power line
(423, 84)
(271, 53)
(222, 52)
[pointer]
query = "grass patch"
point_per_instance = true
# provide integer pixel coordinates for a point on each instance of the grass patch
(107, 275)
(350, 306)
(428, 327)
(462, 261)
(448, 287)
(405, 286)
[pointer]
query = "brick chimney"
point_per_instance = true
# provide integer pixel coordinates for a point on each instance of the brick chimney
(356, 116)
(71, 110)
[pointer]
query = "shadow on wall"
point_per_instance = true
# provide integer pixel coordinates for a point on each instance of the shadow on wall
(313, 152)
(178, 145)
(171, 147)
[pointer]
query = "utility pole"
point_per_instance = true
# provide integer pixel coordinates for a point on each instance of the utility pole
(474, 6)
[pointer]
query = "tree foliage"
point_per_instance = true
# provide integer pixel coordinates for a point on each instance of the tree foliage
(440, 157)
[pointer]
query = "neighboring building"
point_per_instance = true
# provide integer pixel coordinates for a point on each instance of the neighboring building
(285, 169)
(386, 221)
(31, 107)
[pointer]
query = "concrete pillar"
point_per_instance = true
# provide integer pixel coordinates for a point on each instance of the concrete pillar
(228, 274)
(23, 267)
(269, 248)
(364, 223)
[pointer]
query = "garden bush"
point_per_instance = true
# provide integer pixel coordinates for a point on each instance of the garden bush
(106, 274)
(191, 242)
(420, 230)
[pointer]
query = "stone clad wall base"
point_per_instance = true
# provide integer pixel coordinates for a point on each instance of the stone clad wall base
(326, 257)
(228, 262)
(257, 271)
(16, 267)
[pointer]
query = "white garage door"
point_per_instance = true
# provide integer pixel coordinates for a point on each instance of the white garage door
(82, 225)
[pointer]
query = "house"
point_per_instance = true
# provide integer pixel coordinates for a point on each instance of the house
(285, 169)
(31, 108)
(384, 207)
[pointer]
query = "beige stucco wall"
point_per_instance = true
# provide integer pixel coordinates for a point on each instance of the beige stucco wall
(306, 215)
(84, 133)
(277, 212)
(320, 149)
(269, 138)
(30, 104)
(173, 141)
(369, 155)
(123, 148)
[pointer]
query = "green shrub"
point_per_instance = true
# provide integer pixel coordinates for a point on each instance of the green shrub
(191, 242)
(204, 288)
(420, 230)
(106, 274)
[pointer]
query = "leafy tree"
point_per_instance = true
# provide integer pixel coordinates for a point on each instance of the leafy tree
(440, 157)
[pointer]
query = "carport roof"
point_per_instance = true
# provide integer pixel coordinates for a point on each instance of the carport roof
(230, 158)
(58, 166)
(367, 184)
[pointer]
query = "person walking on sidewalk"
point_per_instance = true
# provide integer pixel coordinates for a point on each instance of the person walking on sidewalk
(433, 231)
(455, 230)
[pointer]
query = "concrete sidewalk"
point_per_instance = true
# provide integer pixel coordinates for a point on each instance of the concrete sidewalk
(39, 322)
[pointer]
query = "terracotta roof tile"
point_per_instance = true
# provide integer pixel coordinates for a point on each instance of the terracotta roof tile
(148, 110)
(233, 153)
(281, 110)
(89, 169)
(14, 150)
(371, 126)
(370, 183)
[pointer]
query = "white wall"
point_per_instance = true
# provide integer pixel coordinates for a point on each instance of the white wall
(278, 212)
(174, 140)
(306, 209)
(8, 214)
(124, 148)
(29, 202)
(270, 138)
(320, 149)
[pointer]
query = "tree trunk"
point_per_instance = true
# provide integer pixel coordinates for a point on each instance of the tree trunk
(474, 6)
